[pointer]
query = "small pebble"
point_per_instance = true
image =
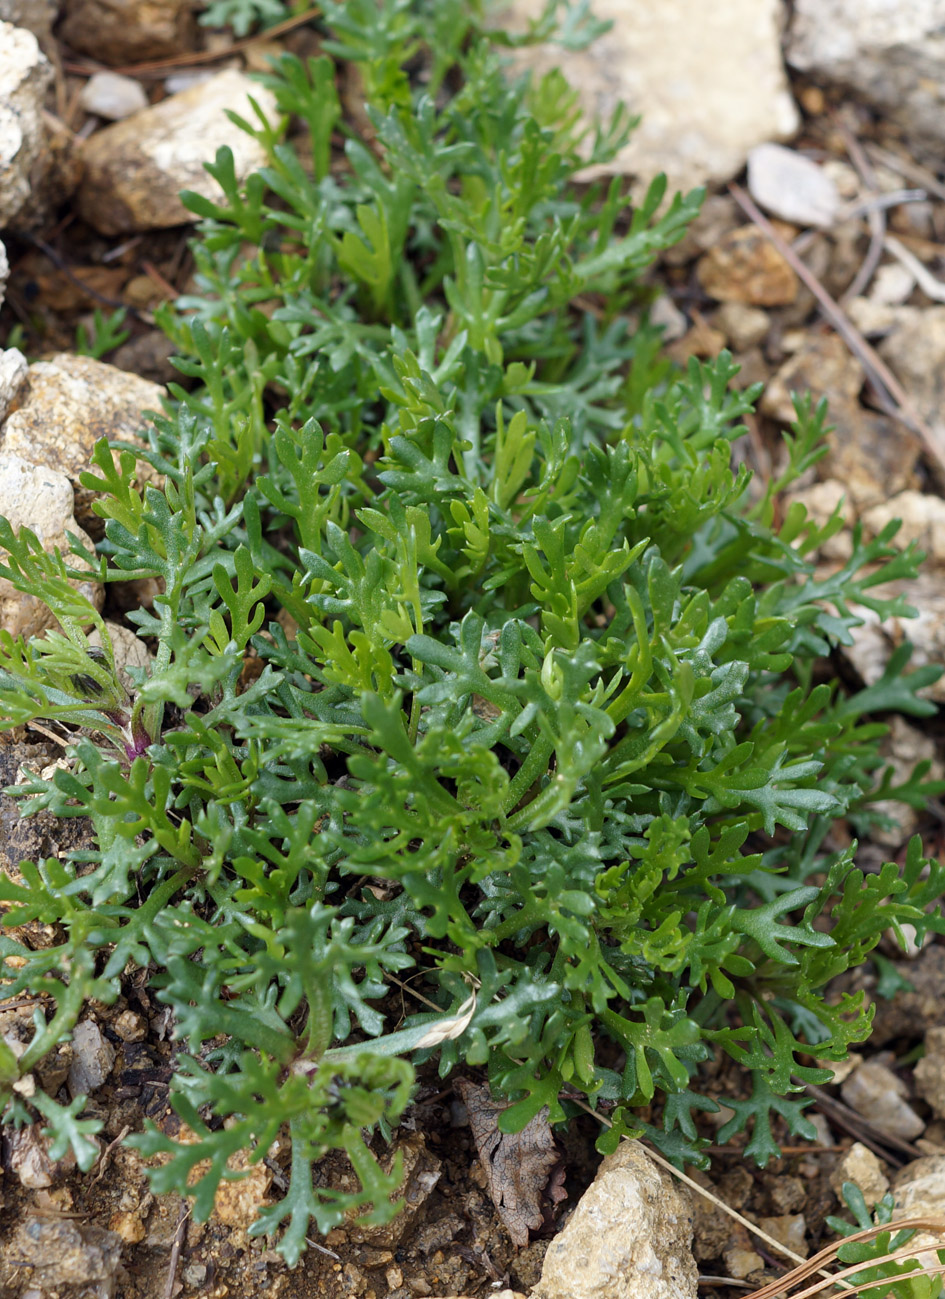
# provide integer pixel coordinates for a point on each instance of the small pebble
(878, 1094)
(109, 94)
(791, 186)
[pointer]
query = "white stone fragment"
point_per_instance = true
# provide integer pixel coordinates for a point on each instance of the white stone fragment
(109, 94)
(892, 53)
(25, 74)
(791, 186)
(707, 79)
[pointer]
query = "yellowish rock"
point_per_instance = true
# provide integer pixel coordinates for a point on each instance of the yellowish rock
(66, 404)
(136, 168)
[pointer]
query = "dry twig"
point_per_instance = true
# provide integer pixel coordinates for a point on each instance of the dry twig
(159, 68)
(885, 383)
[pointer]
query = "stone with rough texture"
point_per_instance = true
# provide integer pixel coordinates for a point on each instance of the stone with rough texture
(921, 518)
(39, 498)
(628, 1238)
(128, 31)
(25, 74)
(860, 1165)
(65, 1253)
(746, 267)
(66, 405)
(919, 1191)
(930, 1071)
(791, 186)
(902, 748)
(707, 79)
(135, 169)
(875, 639)
(13, 371)
(880, 1096)
(790, 1229)
(37, 16)
(891, 53)
(914, 349)
(93, 1057)
(113, 96)
(742, 325)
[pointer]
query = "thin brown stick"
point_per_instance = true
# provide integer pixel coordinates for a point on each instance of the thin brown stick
(812, 1265)
(875, 215)
(908, 169)
(176, 1248)
(161, 67)
(878, 371)
(863, 1129)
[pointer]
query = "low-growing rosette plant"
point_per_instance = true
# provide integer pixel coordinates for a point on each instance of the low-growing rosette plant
(475, 662)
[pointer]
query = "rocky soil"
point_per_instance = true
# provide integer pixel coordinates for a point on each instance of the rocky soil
(830, 120)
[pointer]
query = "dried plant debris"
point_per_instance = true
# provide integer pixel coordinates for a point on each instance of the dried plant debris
(518, 1165)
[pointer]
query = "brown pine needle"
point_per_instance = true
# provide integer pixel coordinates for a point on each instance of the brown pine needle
(880, 375)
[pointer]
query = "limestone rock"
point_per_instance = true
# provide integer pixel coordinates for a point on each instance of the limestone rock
(27, 1157)
(37, 16)
(742, 325)
(135, 169)
(628, 1238)
(790, 1229)
(821, 501)
(421, 1172)
(128, 31)
(25, 74)
(892, 54)
(822, 366)
(919, 1191)
(92, 1060)
(69, 1254)
(871, 455)
(237, 1203)
(128, 650)
(682, 65)
(13, 371)
(930, 1071)
(746, 267)
(108, 94)
(875, 640)
(922, 518)
(902, 749)
(67, 404)
(39, 498)
(791, 186)
(915, 350)
(860, 1165)
(880, 1096)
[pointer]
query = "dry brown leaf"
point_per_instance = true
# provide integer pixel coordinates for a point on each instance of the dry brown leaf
(517, 1165)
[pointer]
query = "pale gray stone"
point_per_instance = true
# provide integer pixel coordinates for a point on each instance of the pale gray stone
(109, 94)
(92, 1061)
(891, 53)
(791, 186)
(25, 74)
(707, 79)
(39, 498)
(880, 1096)
(629, 1237)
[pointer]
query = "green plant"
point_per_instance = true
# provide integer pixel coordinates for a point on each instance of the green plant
(540, 711)
(244, 15)
(106, 335)
(900, 1276)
